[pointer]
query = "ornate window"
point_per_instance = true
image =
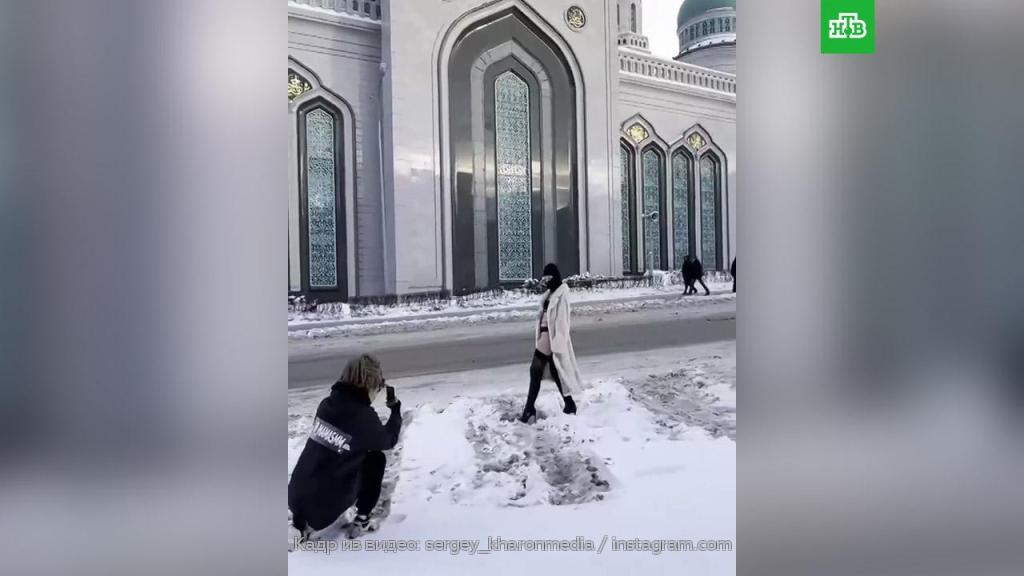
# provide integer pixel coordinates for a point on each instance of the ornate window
(682, 205)
(512, 150)
(628, 192)
(728, 25)
(704, 28)
(321, 129)
(653, 213)
(711, 26)
(710, 217)
(632, 17)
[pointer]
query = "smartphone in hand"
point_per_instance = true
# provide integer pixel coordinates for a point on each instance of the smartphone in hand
(390, 394)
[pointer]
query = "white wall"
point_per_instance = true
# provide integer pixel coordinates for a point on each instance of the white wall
(413, 41)
(345, 54)
(671, 110)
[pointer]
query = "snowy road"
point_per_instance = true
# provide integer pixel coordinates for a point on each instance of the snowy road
(651, 456)
(476, 346)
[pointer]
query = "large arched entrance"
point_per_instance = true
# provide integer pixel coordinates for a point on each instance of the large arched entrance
(512, 134)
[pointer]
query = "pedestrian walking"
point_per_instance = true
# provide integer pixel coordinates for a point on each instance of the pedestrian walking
(553, 346)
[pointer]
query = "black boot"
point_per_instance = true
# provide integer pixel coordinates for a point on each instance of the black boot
(570, 405)
(529, 415)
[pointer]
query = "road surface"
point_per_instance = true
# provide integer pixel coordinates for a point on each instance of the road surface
(456, 349)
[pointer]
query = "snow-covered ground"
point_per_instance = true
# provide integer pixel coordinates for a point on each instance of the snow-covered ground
(665, 283)
(508, 307)
(650, 456)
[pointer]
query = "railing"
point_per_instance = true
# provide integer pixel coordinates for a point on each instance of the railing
(678, 72)
(362, 8)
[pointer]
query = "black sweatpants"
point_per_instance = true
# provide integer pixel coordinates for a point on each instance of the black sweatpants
(370, 481)
(371, 476)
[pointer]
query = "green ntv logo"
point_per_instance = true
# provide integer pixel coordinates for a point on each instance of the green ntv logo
(847, 26)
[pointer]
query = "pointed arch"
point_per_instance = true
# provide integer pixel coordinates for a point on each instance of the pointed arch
(558, 170)
(481, 45)
(653, 213)
(321, 229)
(650, 135)
(628, 206)
(710, 214)
(710, 211)
(682, 203)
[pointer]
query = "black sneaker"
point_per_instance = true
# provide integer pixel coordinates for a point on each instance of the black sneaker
(359, 526)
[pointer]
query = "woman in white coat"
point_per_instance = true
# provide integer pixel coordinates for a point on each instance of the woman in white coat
(553, 348)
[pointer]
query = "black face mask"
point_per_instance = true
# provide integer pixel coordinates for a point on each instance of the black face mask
(555, 279)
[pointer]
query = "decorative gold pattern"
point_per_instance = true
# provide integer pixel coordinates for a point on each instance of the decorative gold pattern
(696, 141)
(638, 133)
(297, 86)
(575, 17)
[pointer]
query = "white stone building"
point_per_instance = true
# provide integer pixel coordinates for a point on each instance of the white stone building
(447, 146)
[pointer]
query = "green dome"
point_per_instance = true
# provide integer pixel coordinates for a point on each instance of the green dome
(693, 8)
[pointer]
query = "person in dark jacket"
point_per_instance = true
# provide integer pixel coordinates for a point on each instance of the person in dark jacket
(732, 272)
(698, 276)
(693, 272)
(688, 276)
(343, 461)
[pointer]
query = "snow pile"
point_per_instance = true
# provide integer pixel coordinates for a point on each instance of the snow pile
(697, 395)
(584, 304)
(664, 283)
(624, 467)
(490, 459)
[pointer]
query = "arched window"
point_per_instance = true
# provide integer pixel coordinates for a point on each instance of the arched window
(322, 210)
(627, 188)
(710, 214)
(682, 206)
(514, 191)
(654, 216)
(632, 17)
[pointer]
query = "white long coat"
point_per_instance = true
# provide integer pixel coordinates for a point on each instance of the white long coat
(562, 354)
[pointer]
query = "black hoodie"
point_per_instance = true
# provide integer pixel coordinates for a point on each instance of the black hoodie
(325, 480)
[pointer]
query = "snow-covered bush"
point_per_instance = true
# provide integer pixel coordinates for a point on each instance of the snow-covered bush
(533, 286)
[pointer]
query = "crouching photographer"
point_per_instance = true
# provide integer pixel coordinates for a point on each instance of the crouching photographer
(343, 461)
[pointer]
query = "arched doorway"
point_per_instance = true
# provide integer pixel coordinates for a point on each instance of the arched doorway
(513, 154)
